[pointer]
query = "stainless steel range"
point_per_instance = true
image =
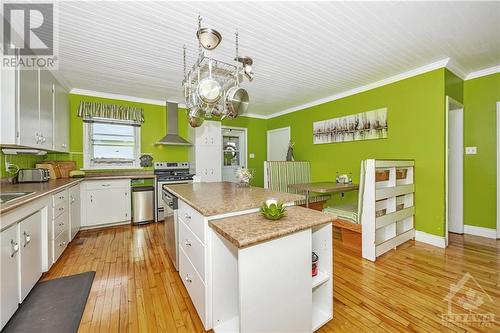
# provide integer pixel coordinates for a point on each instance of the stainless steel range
(169, 173)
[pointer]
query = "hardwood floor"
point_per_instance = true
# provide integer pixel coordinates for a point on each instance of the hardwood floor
(137, 290)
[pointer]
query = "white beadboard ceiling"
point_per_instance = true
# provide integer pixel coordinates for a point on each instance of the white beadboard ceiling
(302, 51)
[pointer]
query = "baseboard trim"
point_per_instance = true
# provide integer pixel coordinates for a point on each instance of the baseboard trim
(480, 231)
(424, 237)
(105, 225)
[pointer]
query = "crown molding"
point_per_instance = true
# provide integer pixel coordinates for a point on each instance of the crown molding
(417, 71)
(454, 67)
(254, 115)
(100, 94)
(483, 72)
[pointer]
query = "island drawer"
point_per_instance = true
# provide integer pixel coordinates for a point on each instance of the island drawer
(60, 197)
(193, 248)
(193, 283)
(61, 224)
(193, 219)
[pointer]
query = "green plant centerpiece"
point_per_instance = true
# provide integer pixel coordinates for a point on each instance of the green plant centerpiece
(272, 209)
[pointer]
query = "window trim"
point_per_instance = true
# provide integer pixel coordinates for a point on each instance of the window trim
(89, 165)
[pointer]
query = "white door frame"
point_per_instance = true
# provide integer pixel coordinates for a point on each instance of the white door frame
(273, 131)
(498, 169)
(458, 107)
(245, 131)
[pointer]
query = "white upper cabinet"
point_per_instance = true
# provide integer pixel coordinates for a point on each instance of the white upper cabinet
(206, 154)
(27, 101)
(61, 118)
(35, 110)
(46, 92)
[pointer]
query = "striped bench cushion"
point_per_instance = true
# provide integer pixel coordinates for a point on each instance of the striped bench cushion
(344, 212)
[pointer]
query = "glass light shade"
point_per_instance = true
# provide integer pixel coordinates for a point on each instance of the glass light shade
(209, 38)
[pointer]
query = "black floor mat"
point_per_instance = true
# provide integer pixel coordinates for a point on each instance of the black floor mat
(54, 306)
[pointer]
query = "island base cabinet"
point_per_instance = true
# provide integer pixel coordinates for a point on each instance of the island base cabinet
(264, 287)
(9, 286)
(30, 245)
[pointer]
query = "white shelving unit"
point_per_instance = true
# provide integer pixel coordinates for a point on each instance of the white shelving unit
(268, 287)
(387, 217)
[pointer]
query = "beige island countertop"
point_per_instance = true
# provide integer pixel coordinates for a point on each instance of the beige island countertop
(250, 229)
(224, 197)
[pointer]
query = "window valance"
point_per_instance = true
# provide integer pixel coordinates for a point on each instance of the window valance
(91, 111)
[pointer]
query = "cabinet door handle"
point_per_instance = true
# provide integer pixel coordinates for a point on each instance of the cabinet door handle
(188, 279)
(62, 243)
(37, 138)
(14, 248)
(212, 140)
(27, 238)
(187, 242)
(43, 139)
(187, 216)
(72, 199)
(91, 198)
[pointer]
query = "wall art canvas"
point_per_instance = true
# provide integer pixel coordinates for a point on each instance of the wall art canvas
(361, 126)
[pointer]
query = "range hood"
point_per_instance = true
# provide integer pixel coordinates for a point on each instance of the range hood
(172, 137)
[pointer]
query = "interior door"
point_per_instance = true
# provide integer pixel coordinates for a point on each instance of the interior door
(277, 144)
(9, 288)
(233, 153)
(29, 120)
(455, 171)
(30, 249)
(47, 109)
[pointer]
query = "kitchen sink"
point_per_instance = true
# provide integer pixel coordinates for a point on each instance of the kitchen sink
(9, 196)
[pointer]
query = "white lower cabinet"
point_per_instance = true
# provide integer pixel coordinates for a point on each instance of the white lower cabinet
(106, 202)
(10, 276)
(21, 263)
(30, 246)
(74, 211)
(60, 223)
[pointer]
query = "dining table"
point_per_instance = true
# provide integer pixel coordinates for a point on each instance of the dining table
(323, 187)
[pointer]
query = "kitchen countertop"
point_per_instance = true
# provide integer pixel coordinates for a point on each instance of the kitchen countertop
(41, 189)
(250, 229)
(224, 197)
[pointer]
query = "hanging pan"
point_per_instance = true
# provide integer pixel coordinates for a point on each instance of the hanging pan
(236, 101)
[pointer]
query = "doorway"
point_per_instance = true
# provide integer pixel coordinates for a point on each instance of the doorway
(234, 152)
(277, 144)
(454, 167)
(498, 170)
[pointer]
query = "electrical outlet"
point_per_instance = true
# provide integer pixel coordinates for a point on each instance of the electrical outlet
(470, 150)
(251, 155)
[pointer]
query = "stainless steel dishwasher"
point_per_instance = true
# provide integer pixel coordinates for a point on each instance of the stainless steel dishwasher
(143, 199)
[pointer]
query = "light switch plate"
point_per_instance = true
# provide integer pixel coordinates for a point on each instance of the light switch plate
(252, 155)
(470, 150)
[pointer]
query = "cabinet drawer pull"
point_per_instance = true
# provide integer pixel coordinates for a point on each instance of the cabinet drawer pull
(60, 209)
(62, 243)
(14, 247)
(61, 197)
(188, 279)
(187, 216)
(106, 185)
(187, 242)
(72, 199)
(27, 238)
(61, 224)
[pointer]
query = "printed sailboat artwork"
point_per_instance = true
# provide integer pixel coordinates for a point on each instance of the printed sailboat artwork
(368, 125)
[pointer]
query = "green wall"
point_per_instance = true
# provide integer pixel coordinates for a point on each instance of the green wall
(480, 97)
(454, 86)
(416, 131)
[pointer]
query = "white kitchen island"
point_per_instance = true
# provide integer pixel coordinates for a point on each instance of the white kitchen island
(255, 277)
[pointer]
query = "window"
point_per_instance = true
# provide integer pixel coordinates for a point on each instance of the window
(111, 145)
